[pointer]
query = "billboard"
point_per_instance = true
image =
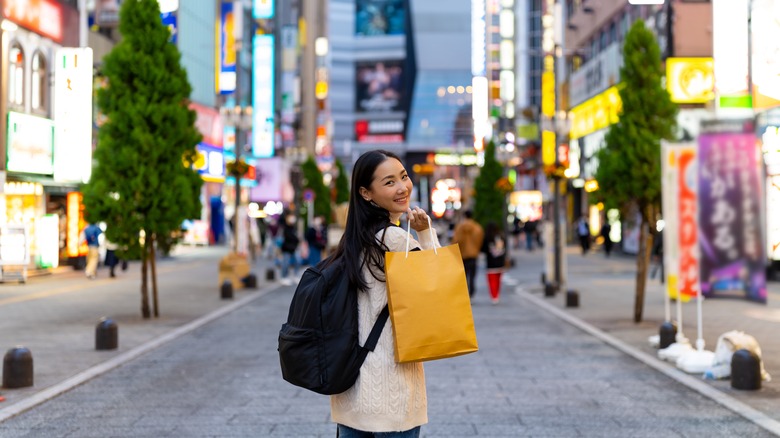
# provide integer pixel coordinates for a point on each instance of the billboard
(380, 86)
(765, 70)
(73, 114)
(226, 50)
(730, 53)
(30, 143)
(263, 96)
(730, 201)
(380, 17)
(263, 9)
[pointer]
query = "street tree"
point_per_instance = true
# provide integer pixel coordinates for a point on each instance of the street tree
(488, 197)
(143, 186)
(312, 179)
(629, 172)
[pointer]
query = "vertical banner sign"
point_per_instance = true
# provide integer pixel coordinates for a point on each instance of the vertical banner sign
(263, 96)
(226, 50)
(73, 114)
(671, 253)
(687, 232)
(732, 248)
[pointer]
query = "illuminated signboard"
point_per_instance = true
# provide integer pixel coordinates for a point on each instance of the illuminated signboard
(75, 222)
(30, 143)
(730, 53)
(263, 96)
(478, 38)
(596, 113)
(226, 50)
(210, 163)
(41, 16)
(690, 80)
(263, 9)
(47, 238)
(548, 148)
(765, 71)
(73, 114)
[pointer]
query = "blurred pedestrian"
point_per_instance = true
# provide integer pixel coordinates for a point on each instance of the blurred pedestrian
(91, 235)
(388, 399)
(273, 243)
(657, 255)
(517, 229)
(317, 239)
(583, 232)
(530, 234)
(111, 259)
(469, 235)
(290, 241)
(605, 230)
(494, 248)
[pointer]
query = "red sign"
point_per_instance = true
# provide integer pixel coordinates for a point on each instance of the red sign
(41, 16)
(689, 239)
(208, 124)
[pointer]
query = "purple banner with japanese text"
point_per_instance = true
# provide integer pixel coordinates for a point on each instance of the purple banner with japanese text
(731, 241)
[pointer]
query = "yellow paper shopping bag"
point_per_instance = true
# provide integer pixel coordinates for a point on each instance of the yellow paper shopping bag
(429, 304)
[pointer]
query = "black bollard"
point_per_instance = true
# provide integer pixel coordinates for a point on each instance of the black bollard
(226, 291)
(106, 335)
(250, 281)
(572, 298)
(18, 368)
(270, 274)
(549, 289)
(745, 370)
(667, 334)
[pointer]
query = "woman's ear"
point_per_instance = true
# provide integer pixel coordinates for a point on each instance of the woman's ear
(365, 194)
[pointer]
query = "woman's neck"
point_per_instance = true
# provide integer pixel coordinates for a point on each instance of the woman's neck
(396, 218)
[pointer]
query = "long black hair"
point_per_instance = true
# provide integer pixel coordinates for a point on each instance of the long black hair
(359, 246)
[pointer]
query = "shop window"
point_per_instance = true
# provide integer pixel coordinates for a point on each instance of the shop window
(16, 75)
(39, 84)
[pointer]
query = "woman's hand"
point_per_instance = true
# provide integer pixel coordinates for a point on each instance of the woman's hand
(418, 219)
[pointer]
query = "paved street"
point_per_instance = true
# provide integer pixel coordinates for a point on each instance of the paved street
(535, 375)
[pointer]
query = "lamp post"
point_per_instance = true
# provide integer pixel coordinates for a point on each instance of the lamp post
(241, 118)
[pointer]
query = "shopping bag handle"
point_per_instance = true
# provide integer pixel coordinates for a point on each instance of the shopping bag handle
(409, 235)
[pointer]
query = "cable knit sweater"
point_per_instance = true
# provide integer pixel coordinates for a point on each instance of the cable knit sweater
(387, 397)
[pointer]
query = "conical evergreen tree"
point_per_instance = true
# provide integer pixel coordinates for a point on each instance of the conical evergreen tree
(312, 179)
(488, 200)
(629, 172)
(143, 183)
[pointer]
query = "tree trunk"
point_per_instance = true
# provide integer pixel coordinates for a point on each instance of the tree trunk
(642, 262)
(153, 262)
(144, 285)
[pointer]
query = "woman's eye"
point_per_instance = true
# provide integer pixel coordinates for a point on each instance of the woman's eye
(405, 177)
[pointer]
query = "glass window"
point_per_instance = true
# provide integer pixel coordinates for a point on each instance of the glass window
(16, 75)
(39, 84)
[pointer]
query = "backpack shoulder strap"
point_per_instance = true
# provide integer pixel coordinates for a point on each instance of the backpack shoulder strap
(373, 338)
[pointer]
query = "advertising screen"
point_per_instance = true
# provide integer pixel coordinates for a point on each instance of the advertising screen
(263, 96)
(380, 17)
(379, 86)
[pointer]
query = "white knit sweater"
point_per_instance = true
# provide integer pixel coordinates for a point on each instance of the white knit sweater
(387, 397)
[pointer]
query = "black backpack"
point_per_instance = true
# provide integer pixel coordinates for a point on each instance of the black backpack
(318, 345)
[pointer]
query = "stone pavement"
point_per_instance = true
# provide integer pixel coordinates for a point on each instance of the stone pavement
(533, 376)
(606, 293)
(209, 367)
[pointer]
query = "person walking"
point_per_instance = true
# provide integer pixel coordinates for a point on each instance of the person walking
(469, 236)
(290, 241)
(111, 259)
(605, 230)
(584, 234)
(317, 239)
(530, 234)
(91, 235)
(494, 247)
(388, 398)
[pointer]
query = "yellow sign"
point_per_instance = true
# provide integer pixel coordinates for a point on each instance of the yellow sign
(690, 80)
(548, 148)
(596, 113)
(548, 94)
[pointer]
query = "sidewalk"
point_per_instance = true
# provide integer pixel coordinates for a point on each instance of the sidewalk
(55, 316)
(606, 293)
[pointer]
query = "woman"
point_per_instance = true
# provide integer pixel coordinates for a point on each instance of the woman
(290, 242)
(494, 248)
(388, 398)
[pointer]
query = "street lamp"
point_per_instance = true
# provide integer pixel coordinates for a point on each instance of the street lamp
(241, 118)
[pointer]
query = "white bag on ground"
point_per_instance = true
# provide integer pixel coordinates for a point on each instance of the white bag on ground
(728, 344)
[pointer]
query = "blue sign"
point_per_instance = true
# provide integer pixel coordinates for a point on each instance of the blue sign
(169, 21)
(226, 70)
(263, 133)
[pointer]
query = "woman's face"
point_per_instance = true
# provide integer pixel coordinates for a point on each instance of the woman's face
(390, 188)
